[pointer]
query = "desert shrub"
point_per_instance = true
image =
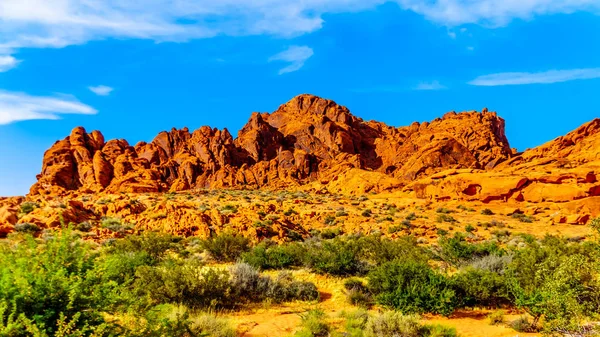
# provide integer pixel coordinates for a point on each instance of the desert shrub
(249, 286)
(492, 263)
(469, 228)
(27, 228)
(442, 210)
(354, 283)
(341, 212)
(456, 250)
(313, 324)
(496, 317)
(411, 216)
(445, 218)
(392, 324)
(522, 217)
(355, 322)
(359, 298)
(330, 233)
(343, 255)
(47, 286)
(228, 209)
(226, 247)
(28, 207)
(556, 280)
(442, 232)
(212, 326)
(175, 282)
(438, 330)
(84, 226)
(412, 287)
(522, 324)
(366, 213)
(377, 250)
(285, 288)
(269, 256)
(155, 245)
(338, 256)
(357, 293)
(115, 225)
(329, 220)
(165, 320)
(487, 211)
(477, 287)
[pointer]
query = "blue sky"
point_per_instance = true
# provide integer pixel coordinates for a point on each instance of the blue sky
(133, 70)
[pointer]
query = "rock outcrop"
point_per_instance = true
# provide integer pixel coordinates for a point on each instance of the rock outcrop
(563, 171)
(308, 139)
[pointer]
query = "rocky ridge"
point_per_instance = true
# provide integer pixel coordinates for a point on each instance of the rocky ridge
(307, 139)
(316, 146)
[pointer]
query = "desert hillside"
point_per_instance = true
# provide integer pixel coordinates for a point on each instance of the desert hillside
(312, 146)
(311, 222)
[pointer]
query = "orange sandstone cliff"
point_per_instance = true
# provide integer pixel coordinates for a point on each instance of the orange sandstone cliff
(308, 139)
(311, 144)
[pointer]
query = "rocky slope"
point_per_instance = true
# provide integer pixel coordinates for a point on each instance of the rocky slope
(307, 139)
(314, 145)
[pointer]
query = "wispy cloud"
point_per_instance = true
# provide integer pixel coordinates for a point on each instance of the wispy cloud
(433, 85)
(551, 76)
(7, 62)
(60, 23)
(16, 106)
(295, 55)
(494, 13)
(101, 90)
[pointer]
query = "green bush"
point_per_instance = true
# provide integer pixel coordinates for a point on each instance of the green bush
(412, 287)
(392, 324)
(28, 207)
(357, 293)
(522, 217)
(27, 228)
(313, 324)
(115, 225)
(445, 218)
(522, 324)
(480, 288)
(226, 247)
(487, 211)
(175, 282)
(437, 330)
(456, 250)
(268, 256)
(556, 280)
(496, 317)
(335, 257)
(47, 286)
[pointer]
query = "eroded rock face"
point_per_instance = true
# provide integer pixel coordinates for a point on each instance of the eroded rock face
(560, 171)
(307, 139)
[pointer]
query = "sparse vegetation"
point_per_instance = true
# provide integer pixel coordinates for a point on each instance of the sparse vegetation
(227, 246)
(109, 278)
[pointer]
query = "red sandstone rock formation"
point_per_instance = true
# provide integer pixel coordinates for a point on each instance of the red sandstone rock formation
(307, 139)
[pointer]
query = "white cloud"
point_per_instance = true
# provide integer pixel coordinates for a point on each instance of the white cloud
(551, 76)
(433, 85)
(295, 55)
(15, 106)
(494, 13)
(59, 23)
(101, 90)
(7, 62)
